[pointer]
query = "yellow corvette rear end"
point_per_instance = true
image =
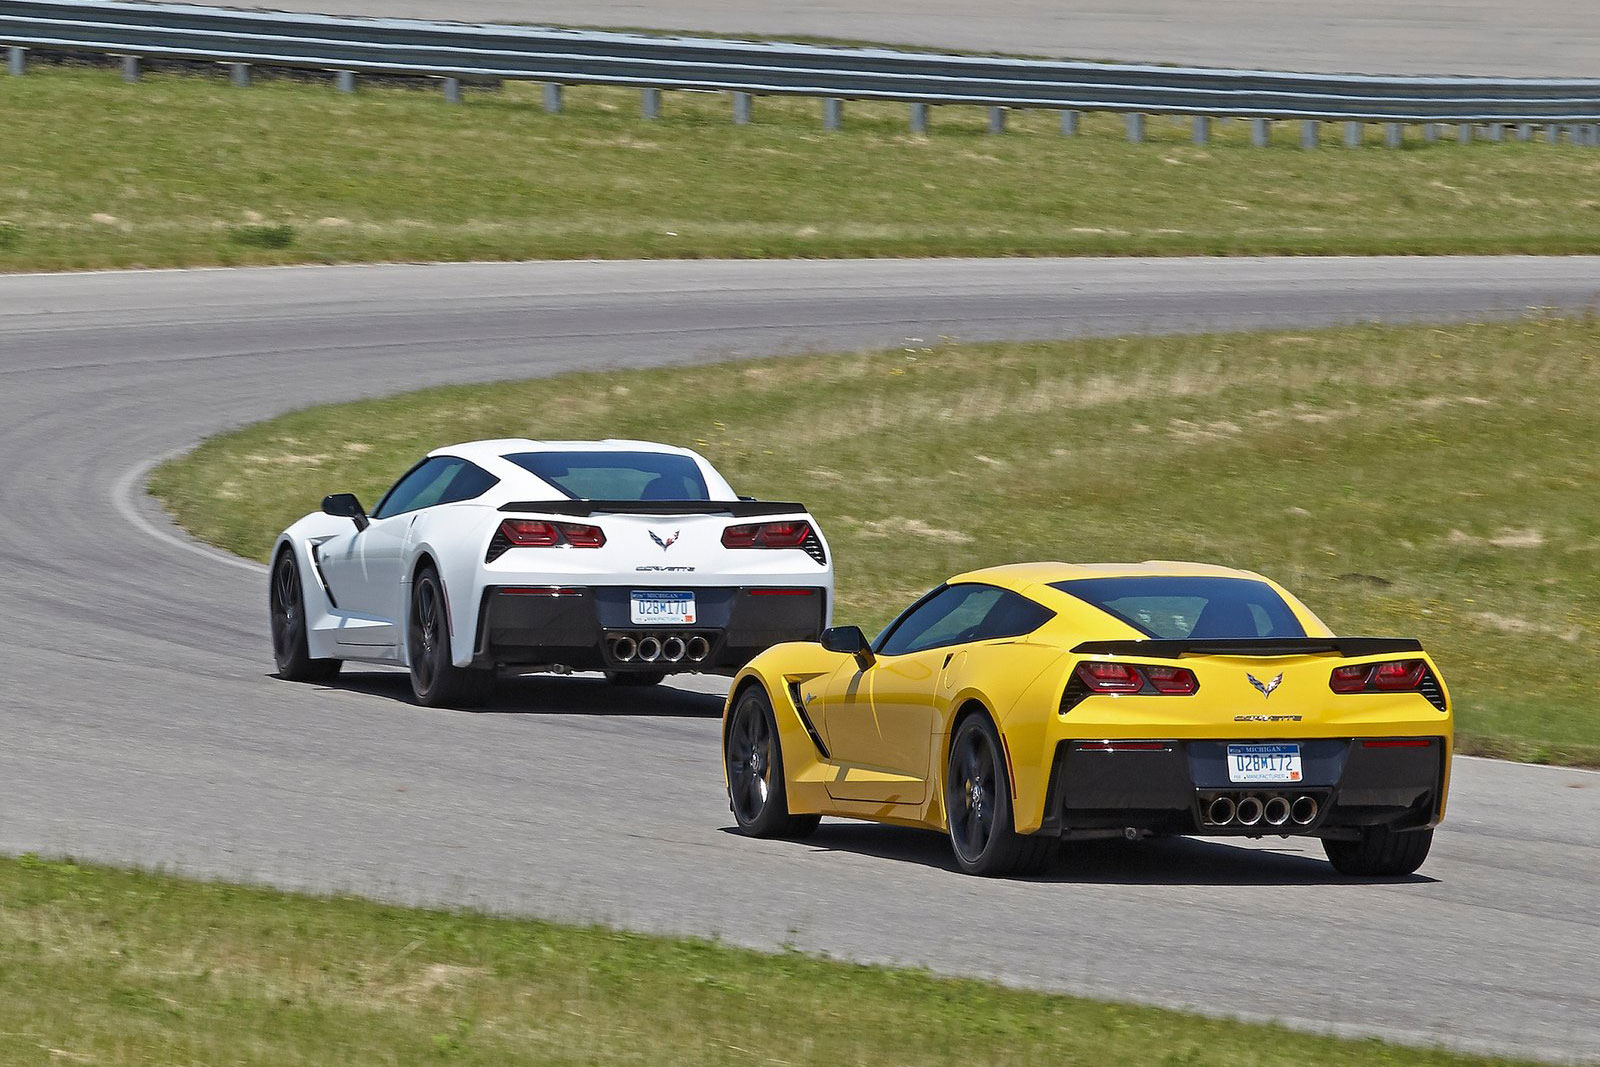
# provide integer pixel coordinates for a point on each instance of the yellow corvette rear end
(1064, 702)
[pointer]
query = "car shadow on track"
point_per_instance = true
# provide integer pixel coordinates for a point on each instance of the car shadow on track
(1158, 861)
(551, 695)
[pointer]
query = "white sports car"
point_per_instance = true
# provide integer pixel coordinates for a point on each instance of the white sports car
(627, 557)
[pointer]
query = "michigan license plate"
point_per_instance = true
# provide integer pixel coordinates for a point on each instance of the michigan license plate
(1264, 763)
(650, 607)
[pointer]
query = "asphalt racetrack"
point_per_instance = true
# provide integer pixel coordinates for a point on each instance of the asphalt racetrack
(1531, 39)
(142, 724)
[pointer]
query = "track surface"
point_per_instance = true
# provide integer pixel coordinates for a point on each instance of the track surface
(1535, 38)
(142, 725)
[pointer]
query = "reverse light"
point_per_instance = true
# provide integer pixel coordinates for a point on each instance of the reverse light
(767, 535)
(1395, 676)
(540, 533)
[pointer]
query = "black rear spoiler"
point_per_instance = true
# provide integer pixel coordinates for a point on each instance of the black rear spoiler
(738, 509)
(1163, 648)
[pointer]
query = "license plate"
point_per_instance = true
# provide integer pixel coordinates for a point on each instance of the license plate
(1264, 763)
(650, 607)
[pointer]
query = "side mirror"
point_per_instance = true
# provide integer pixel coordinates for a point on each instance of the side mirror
(346, 506)
(850, 641)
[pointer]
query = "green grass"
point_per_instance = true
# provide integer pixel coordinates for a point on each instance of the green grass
(106, 967)
(1436, 482)
(186, 170)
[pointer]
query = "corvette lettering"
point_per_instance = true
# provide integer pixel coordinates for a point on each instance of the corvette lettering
(655, 568)
(1267, 718)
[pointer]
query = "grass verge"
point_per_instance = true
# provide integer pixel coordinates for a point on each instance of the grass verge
(181, 170)
(107, 967)
(1436, 482)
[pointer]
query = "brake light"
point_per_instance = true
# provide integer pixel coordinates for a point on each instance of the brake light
(1110, 677)
(1175, 681)
(767, 535)
(538, 533)
(1395, 676)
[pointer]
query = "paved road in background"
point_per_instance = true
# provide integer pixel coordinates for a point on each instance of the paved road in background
(1534, 38)
(141, 723)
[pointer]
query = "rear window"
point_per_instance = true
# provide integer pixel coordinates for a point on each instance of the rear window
(617, 475)
(1202, 608)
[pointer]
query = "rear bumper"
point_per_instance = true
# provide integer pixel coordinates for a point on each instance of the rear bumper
(1174, 786)
(589, 627)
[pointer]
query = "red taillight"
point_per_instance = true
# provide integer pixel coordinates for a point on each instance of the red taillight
(1350, 679)
(1110, 677)
(538, 533)
(767, 535)
(1395, 676)
(1399, 674)
(1176, 681)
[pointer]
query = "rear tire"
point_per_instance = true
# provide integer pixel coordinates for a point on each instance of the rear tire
(286, 603)
(753, 757)
(977, 804)
(636, 679)
(436, 682)
(1380, 853)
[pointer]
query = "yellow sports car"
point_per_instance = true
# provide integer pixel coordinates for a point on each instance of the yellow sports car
(1018, 706)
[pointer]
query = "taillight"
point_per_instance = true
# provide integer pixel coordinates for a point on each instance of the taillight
(1395, 676)
(1103, 677)
(767, 535)
(538, 533)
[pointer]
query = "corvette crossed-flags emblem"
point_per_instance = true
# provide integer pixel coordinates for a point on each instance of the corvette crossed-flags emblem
(1265, 687)
(668, 543)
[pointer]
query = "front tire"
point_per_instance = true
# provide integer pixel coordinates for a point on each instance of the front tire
(286, 603)
(757, 792)
(977, 804)
(1380, 852)
(436, 682)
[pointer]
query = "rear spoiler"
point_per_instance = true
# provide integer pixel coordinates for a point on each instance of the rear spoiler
(1162, 648)
(738, 509)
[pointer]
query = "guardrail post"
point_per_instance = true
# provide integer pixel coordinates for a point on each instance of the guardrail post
(832, 113)
(345, 82)
(741, 108)
(919, 118)
(1592, 135)
(1260, 132)
(1135, 123)
(1202, 129)
(239, 75)
(452, 90)
(1354, 134)
(1496, 131)
(552, 97)
(650, 103)
(1069, 123)
(1310, 133)
(1464, 132)
(1552, 133)
(16, 60)
(997, 120)
(1524, 131)
(1394, 135)
(130, 68)
(1430, 132)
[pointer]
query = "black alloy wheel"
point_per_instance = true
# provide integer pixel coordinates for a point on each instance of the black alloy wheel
(436, 682)
(754, 762)
(977, 797)
(286, 604)
(1380, 852)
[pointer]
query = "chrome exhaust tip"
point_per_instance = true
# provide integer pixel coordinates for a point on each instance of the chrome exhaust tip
(672, 649)
(1304, 811)
(1276, 811)
(624, 648)
(649, 649)
(1249, 811)
(1220, 811)
(697, 648)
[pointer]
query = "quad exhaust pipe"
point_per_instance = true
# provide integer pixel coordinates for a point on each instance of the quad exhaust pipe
(625, 648)
(697, 649)
(670, 648)
(649, 649)
(1276, 810)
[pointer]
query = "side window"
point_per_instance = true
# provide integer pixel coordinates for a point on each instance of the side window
(1011, 616)
(470, 482)
(420, 488)
(945, 619)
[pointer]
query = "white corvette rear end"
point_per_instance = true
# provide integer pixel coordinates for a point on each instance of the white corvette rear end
(633, 558)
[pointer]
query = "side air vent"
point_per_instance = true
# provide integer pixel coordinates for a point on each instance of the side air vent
(498, 546)
(813, 546)
(1431, 690)
(1074, 694)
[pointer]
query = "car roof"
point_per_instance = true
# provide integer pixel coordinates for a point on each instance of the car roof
(481, 452)
(1022, 576)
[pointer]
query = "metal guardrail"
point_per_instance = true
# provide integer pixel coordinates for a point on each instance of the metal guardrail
(457, 52)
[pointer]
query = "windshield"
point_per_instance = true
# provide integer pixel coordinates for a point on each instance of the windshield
(617, 475)
(1202, 608)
